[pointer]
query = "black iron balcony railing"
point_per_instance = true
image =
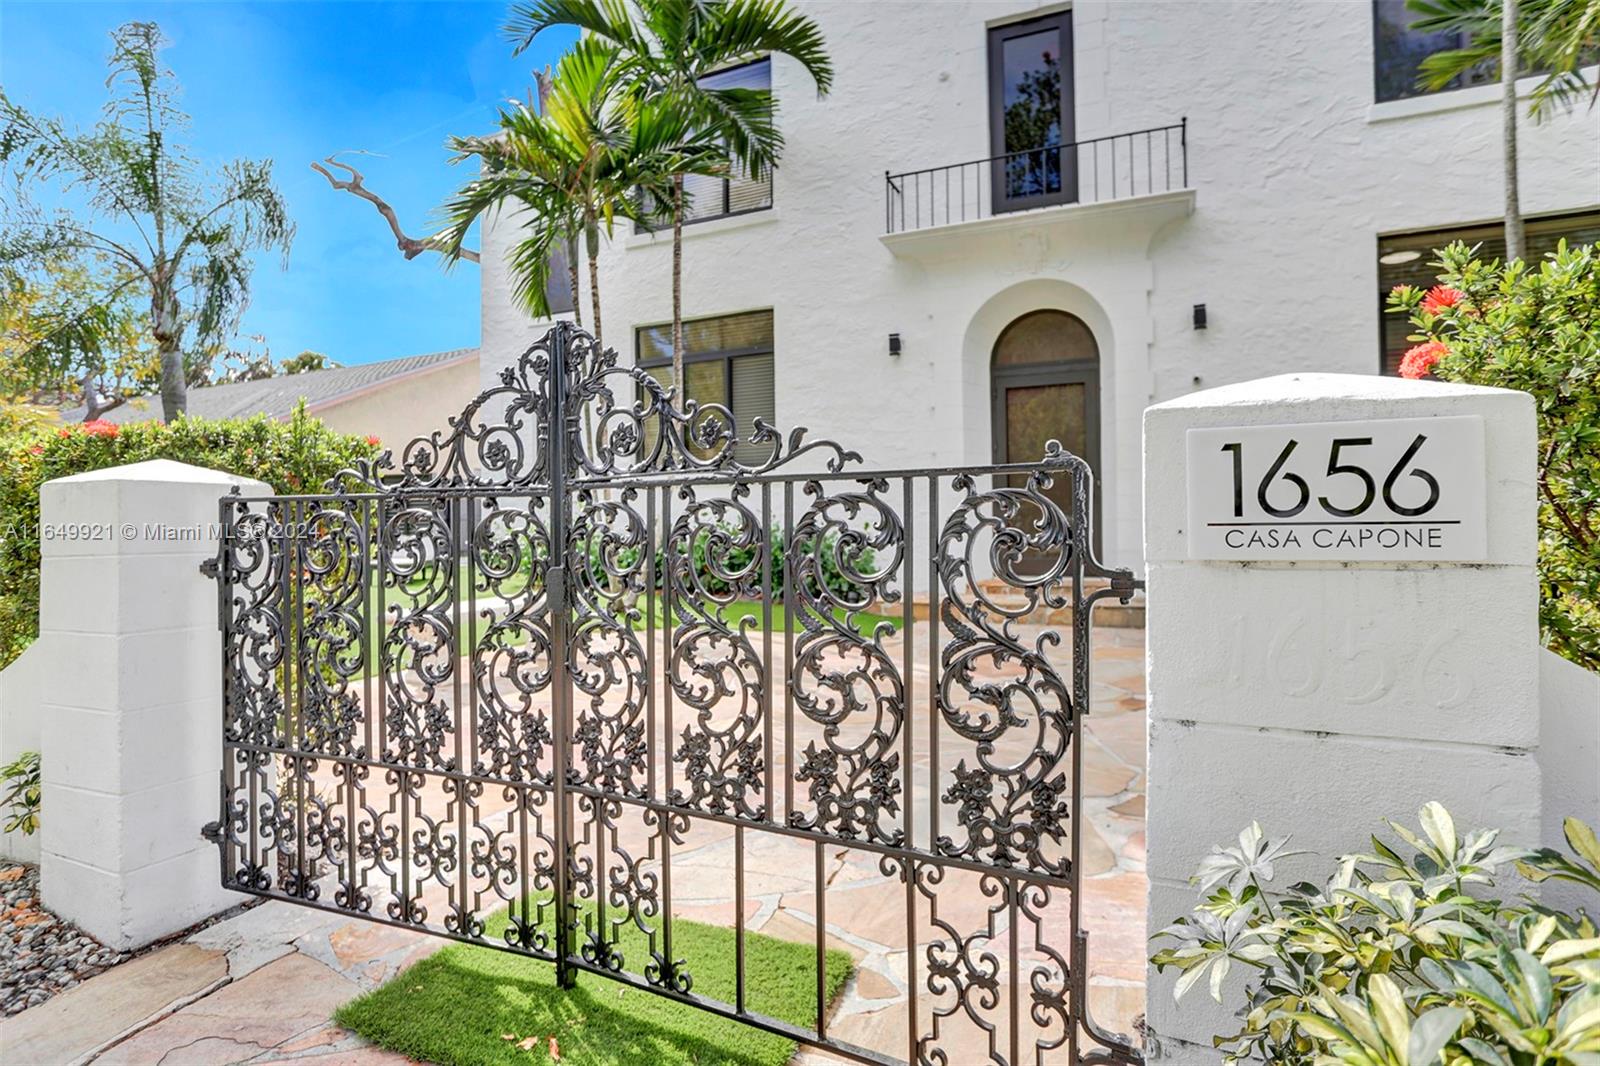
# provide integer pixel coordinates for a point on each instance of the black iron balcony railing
(1117, 167)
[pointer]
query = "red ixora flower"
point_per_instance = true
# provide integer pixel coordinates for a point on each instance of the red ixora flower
(374, 441)
(1439, 297)
(101, 428)
(1419, 361)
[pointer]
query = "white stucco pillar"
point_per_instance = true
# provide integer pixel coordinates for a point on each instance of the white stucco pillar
(1319, 697)
(131, 698)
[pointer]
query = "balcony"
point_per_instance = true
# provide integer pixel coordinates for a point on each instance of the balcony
(1124, 167)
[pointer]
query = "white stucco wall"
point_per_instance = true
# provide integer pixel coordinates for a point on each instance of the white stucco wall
(413, 406)
(1295, 173)
(1569, 759)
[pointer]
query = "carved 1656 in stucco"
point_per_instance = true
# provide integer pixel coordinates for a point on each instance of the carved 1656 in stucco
(1398, 490)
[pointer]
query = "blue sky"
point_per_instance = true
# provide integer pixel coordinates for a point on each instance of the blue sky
(294, 81)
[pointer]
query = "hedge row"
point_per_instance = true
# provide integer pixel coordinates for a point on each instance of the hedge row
(298, 455)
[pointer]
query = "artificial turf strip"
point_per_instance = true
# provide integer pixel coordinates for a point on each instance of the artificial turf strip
(458, 1006)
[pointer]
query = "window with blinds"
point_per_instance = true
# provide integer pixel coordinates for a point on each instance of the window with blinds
(728, 360)
(1408, 258)
(708, 197)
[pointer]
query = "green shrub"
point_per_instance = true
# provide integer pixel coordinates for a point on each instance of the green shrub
(737, 559)
(20, 780)
(1535, 328)
(1391, 962)
(299, 455)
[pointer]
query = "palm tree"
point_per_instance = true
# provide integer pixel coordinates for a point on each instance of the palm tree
(574, 167)
(669, 46)
(183, 242)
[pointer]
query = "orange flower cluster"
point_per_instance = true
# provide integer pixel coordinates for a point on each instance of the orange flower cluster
(1419, 361)
(1440, 297)
(97, 428)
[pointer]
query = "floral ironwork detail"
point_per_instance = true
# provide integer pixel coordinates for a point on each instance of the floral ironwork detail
(996, 690)
(716, 554)
(843, 557)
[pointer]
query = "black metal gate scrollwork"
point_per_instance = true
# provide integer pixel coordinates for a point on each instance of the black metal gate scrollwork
(521, 668)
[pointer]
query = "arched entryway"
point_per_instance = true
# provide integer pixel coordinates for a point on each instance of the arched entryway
(1044, 378)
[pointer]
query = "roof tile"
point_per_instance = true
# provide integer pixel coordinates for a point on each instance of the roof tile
(276, 397)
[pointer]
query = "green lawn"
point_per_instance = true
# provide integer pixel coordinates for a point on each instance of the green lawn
(734, 613)
(867, 621)
(466, 1006)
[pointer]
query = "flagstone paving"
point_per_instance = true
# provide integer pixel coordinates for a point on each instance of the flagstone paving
(261, 986)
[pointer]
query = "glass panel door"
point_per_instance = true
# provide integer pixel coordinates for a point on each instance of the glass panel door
(1045, 381)
(1030, 113)
(1036, 415)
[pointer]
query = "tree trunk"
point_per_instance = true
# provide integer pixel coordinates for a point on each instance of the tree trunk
(677, 290)
(1508, 83)
(592, 235)
(167, 328)
(592, 244)
(572, 278)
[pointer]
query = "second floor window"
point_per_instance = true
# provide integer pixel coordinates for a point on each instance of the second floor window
(707, 197)
(1398, 52)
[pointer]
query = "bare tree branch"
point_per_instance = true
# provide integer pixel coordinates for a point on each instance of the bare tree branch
(97, 400)
(410, 247)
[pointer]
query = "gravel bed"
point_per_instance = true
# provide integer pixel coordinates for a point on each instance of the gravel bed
(40, 954)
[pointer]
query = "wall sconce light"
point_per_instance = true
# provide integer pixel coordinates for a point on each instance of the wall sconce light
(1199, 316)
(894, 344)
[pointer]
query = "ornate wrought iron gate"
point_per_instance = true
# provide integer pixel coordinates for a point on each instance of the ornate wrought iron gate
(582, 629)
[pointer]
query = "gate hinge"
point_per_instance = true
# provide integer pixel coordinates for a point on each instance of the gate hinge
(210, 567)
(212, 831)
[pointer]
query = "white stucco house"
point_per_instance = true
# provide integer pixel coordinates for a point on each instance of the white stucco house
(1012, 221)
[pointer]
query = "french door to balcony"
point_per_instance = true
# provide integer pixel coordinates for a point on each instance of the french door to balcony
(1030, 114)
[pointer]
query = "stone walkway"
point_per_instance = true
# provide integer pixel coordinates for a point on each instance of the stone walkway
(261, 986)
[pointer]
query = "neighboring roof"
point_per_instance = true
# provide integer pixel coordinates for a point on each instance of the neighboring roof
(277, 397)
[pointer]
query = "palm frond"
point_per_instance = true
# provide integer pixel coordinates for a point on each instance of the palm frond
(608, 20)
(530, 262)
(741, 30)
(1438, 70)
(250, 208)
(747, 119)
(39, 148)
(1556, 37)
